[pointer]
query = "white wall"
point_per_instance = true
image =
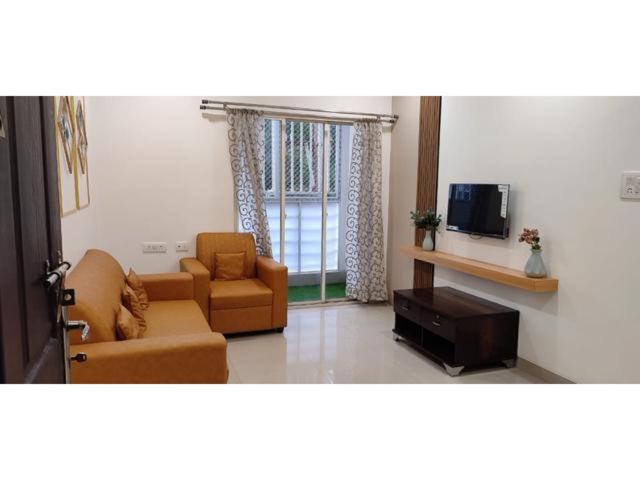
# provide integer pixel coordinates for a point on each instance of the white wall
(563, 158)
(402, 190)
(78, 234)
(161, 172)
(79, 228)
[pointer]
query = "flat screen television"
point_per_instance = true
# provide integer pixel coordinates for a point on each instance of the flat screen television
(479, 209)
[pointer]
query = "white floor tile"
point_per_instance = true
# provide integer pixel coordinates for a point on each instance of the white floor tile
(343, 344)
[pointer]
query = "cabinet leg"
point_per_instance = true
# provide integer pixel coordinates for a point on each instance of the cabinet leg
(453, 371)
(509, 363)
(396, 337)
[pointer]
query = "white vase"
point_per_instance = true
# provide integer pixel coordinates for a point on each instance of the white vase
(535, 266)
(427, 243)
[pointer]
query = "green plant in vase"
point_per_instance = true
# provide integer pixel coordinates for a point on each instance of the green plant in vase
(534, 267)
(428, 221)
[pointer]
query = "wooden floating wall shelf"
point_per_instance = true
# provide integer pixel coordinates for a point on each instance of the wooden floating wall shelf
(496, 273)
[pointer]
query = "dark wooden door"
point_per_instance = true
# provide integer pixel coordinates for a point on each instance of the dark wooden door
(31, 335)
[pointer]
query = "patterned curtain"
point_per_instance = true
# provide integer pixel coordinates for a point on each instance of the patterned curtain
(366, 279)
(246, 146)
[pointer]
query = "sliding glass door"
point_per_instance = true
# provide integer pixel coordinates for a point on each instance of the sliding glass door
(306, 164)
(303, 181)
(338, 155)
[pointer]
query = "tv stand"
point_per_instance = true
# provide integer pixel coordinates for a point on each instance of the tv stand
(456, 329)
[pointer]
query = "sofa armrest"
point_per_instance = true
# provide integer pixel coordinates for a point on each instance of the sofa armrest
(192, 358)
(201, 279)
(168, 286)
(275, 276)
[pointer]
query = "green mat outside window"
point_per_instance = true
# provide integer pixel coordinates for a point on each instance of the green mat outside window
(309, 293)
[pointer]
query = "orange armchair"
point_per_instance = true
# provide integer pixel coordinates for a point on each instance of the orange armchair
(257, 302)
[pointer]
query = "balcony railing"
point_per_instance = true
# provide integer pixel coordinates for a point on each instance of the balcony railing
(303, 234)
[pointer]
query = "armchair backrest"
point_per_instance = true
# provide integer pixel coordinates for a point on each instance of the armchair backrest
(98, 280)
(208, 244)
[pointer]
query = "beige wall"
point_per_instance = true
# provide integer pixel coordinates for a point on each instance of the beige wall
(402, 190)
(563, 157)
(161, 172)
(79, 228)
(78, 234)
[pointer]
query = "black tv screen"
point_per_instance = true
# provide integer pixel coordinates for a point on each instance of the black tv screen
(480, 209)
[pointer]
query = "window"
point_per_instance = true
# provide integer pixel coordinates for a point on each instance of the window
(303, 192)
(303, 160)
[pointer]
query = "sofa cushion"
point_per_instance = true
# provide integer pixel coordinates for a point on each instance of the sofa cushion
(174, 317)
(230, 266)
(98, 280)
(132, 303)
(250, 292)
(126, 325)
(208, 244)
(136, 284)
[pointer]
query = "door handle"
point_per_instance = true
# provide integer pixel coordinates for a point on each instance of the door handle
(79, 357)
(52, 276)
(79, 324)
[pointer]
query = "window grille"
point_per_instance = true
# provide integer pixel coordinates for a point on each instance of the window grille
(303, 160)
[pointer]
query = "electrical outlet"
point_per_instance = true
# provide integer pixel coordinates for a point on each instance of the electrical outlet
(630, 187)
(182, 246)
(154, 247)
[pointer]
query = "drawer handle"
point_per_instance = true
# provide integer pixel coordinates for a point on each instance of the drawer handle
(405, 307)
(436, 324)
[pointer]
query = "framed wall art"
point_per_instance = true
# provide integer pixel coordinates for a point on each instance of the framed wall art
(66, 154)
(82, 148)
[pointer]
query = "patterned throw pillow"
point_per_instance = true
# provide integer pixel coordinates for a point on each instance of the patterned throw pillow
(136, 284)
(132, 303)
(127, 326)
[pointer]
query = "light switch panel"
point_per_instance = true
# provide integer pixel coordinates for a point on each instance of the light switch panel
(154, 247)
(630, 187)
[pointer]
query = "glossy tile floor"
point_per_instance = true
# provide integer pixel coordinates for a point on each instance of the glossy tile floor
(346, 343)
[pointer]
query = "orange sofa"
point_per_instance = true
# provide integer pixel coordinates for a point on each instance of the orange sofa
(177, 347)
(257, 302)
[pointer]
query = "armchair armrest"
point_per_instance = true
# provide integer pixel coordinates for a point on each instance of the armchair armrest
(168, 286)
(192, 358)
(201, 279)
(275, 276)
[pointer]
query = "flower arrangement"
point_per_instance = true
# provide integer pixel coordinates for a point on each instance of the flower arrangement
(531, 237)
(427, 220)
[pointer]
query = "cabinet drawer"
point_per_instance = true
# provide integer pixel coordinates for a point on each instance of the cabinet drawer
(439, 325)
(442, 327)
(405, 308)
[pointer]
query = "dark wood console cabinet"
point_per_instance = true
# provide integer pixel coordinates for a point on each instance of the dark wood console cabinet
(456, 329)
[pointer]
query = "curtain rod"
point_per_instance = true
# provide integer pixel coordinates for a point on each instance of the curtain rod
(382, 116)
(300, 117)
